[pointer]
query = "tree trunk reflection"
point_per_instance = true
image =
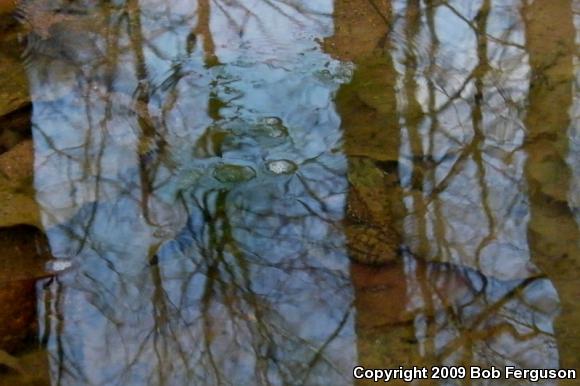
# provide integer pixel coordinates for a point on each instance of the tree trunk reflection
(552, 232)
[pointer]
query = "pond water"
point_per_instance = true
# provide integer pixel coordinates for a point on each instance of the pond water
(244, 192)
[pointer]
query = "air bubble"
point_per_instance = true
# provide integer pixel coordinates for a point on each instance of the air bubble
(58, 265)
(282, 166)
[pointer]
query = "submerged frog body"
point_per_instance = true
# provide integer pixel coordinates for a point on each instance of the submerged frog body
(369, 226)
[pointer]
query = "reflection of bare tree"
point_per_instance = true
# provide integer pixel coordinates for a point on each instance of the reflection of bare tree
(478, 323)
(456, 122)
(231, 293)
(372, 140)
(188, 275)
(151, 147)
(553, 232)
(203, 29)
(183, 275)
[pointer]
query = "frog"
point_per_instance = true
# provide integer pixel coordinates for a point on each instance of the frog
(369, 221)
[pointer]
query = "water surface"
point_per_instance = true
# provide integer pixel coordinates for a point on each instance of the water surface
(273, 192)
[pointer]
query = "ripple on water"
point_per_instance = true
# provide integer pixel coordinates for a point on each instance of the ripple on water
(230, 173)
(282, 166)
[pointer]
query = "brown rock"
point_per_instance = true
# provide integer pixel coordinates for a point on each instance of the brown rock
(24, 254)
(16, 187)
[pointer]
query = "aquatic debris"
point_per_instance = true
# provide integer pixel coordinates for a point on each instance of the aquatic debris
(230, 173)
(282, 166)
(58, 265)
(272, 127)
(336, 73)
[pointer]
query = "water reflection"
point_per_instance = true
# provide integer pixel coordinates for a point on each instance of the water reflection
(205, 171)
(187, 165)
(463, 170)
(473, 294)
(553, 232)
